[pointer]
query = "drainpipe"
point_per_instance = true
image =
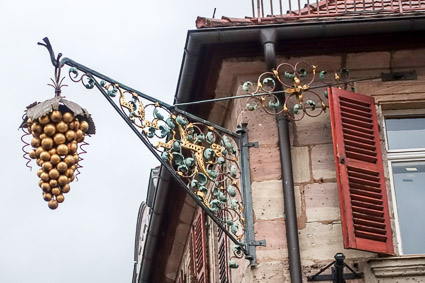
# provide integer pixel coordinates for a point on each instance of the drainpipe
(268, 39)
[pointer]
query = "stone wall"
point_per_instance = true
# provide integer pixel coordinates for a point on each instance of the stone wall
(316, 193)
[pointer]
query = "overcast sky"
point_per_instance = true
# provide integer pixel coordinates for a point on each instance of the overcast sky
(90, 237)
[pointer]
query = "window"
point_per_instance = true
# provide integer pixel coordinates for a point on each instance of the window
(406, 156)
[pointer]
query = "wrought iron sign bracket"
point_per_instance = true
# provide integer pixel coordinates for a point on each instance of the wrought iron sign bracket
(247, 193)
(206, 160)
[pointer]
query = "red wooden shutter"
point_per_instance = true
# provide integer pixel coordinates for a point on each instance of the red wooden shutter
(199, 247)
(360, 174)
(223, 267)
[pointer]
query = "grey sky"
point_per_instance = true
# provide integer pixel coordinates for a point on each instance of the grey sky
(90, 237)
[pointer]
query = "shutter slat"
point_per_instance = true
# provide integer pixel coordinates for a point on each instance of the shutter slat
(369, 217)
(360, 108)
(374, 179)
(360, 145)
(363, 171)
(361, 151)
(360, 181)
(360, 174)
(223, 270)
(356, 123)
(370, 236)
(355, 130)
(199, 247)
(356, 102)
(352, 136)
(355, 117)
(366, 199)
(369, 229)
(369, 223)
(367, 211)
(359, 156)
(377, 196)
(364, 188)
(356, 112)
(367, 205)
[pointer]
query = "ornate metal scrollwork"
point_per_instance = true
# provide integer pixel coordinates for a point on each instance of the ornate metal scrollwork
(206, 159)
(296, 82)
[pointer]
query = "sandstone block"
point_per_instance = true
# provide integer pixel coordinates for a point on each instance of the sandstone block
(300, 164)
(313, 130)
(366, 64)
(324, 62)
(322, 202)
(271, 272)
(186, 214)
(262, 127)
(323, 161)
(267, 199)
(182, 232)
(265, 163)
(409, 60)
(274, 232)
(322, 241)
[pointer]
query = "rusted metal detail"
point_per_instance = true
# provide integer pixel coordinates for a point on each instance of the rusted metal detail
(319, 10)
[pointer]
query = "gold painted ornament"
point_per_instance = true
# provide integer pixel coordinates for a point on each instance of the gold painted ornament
(53, 204)
(58, 128)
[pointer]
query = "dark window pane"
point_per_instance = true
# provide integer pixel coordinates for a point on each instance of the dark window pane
(406, 133)
(409, 182)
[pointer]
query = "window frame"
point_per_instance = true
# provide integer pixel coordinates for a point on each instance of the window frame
(398, 156)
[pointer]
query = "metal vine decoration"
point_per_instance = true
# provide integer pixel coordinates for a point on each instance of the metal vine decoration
(202, 156)
(296, 81)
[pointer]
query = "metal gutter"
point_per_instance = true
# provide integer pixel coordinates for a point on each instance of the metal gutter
(154, 230)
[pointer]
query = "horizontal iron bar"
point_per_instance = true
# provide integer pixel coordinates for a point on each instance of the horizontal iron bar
(330, 277)
(165, 164)
(266, 93)
(196, 118)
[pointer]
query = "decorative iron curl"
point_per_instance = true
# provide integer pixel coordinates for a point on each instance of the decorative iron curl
(74, 76)
(82, 151)
(26, 153)
(296, 82)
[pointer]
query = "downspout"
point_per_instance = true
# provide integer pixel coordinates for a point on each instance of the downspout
(268, 39)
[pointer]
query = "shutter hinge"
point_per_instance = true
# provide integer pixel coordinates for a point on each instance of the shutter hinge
(341, 160)
(251, 144)
(261, 243)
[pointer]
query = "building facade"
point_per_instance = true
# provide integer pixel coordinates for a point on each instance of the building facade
(358, 168)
